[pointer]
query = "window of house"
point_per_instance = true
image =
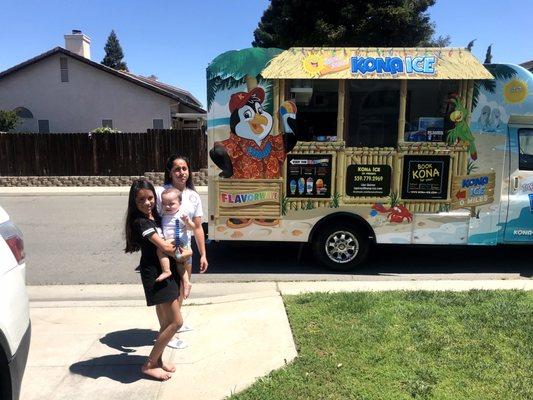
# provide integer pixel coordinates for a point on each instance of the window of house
(525, 140)
(372, 113)
(44, 126)
(63, 66)
(317, 102)
(428, 109)
(107, 123)
(23, 112)
(158, 123)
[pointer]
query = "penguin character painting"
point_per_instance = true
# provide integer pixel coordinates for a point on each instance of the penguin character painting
(251, 152)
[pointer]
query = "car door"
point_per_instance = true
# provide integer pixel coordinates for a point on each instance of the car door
(519, 219)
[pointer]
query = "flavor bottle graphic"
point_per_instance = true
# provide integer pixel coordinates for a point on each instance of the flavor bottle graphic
(309, 185)
(293, 186)
(301, 185)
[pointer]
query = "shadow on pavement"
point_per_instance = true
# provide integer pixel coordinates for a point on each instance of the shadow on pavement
(125, 340)
(122, 368)
(295, 258)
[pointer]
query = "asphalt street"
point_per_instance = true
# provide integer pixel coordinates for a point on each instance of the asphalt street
(77, 239)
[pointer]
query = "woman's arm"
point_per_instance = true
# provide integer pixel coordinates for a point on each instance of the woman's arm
(200, 243)
(162, 244)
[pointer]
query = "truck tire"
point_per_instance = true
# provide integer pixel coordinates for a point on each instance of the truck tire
(341, 247)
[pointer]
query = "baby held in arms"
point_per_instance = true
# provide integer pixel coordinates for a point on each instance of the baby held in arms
(175, 225)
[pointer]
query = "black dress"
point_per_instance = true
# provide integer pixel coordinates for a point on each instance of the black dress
(155, 292)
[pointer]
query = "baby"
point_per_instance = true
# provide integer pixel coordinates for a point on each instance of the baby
(175, 227)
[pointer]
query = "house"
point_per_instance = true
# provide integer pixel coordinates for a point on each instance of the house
(63, 90)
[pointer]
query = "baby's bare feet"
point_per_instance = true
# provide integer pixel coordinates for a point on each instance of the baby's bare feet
(164, 275)
(152, 370)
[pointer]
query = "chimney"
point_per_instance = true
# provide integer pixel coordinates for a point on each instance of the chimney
(78, 43)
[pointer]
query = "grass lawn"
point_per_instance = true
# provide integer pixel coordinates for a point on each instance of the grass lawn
(405, 345)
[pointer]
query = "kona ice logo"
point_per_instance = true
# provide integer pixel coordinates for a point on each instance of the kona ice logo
(393, 65)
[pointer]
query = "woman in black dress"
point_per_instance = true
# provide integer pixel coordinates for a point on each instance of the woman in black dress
(143, 233)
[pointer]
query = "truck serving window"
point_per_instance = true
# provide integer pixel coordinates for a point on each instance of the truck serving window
(428, 109)
(372, 113)
(318, 103)
(525, 138)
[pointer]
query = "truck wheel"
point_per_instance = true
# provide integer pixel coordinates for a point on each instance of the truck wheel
(341, 247)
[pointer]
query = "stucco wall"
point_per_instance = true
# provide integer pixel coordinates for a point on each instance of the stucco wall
(81, 104)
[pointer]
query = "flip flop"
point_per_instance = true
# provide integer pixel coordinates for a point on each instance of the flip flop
(185, 328)
(176, 343)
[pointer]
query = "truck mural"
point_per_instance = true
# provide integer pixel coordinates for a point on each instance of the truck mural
(345, 147)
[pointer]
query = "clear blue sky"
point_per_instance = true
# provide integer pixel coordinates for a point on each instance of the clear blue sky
(175, 40)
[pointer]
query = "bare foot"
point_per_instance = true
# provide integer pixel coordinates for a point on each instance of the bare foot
(164, 275)
(167, 366)
(186, 290)
(152, 370)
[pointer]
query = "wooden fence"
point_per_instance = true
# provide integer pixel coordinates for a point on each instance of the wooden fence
(108, 154)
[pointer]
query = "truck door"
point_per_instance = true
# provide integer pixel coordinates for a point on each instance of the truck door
(519, 220)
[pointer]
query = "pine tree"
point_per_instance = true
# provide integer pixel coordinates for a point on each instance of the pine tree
(346, 23)
(113, 53)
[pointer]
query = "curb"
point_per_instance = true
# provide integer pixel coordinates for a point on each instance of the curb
(295, 288)
(215, 293)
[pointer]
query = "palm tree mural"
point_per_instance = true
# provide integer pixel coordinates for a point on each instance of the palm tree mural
(500, 72)
(237, 67)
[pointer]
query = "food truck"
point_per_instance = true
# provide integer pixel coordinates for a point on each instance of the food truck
(347, 147)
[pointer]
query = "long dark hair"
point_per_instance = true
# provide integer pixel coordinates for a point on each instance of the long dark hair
(168, 168)
(133, 212)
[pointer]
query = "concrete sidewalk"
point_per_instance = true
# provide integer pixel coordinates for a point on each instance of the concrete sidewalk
(89, 341)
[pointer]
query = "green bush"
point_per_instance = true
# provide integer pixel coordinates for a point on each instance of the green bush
(8, 120)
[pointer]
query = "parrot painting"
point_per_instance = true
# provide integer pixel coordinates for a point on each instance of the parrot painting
(461, 131)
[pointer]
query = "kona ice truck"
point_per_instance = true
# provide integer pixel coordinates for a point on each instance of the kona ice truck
(346, 147)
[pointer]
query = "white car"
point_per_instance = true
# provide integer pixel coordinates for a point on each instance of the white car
(15, 327)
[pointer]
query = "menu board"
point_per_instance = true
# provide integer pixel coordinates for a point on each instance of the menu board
(309, 175)
(425, 177)
(368, 180)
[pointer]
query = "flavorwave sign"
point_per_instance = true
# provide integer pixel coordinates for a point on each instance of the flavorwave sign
(246, 198)
(393, 65)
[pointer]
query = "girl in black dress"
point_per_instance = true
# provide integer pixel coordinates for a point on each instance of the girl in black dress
(143, 233)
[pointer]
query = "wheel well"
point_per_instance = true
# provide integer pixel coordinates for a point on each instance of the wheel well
(5, 376)
(343, 217)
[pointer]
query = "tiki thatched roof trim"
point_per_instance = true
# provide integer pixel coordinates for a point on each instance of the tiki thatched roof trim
(335, 63)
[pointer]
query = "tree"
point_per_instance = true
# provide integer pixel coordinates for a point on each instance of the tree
(8, 120)
(347, 23)
(113, 53)
(227, 71)
(488, 55)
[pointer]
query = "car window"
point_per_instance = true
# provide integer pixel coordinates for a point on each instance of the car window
(525, 141)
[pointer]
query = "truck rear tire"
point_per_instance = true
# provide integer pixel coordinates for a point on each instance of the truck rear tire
(341, 247)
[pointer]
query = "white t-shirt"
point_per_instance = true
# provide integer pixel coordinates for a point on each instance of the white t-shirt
(191, 203)
(168, 223)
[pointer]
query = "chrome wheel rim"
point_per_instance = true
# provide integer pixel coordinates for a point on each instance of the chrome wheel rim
(342, 247)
